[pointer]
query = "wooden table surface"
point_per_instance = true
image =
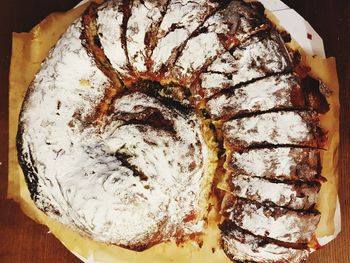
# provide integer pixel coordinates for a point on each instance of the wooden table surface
(24, 241)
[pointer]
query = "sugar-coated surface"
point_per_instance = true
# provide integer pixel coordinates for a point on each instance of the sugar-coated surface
(144, 17)
(237, 20)
(197, 53)
(282, 163)
(110, 35)
(81, 180)
(182, 18)
(273, 222)
(289, 195)
(255, 59)
(47, 114)
(245, 247)
(275, 92)
(272, 128)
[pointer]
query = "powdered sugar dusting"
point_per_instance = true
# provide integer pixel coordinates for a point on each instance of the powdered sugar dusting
(245, 247)
(109, 24)
(46, 117)
(220, 32)
(277, 163)
(255, 59)
(143, 16)
(83, 182)
(274, 222)
(197, 52)
(272, 128)
(181, 19)
(288, 195)
(273, 92)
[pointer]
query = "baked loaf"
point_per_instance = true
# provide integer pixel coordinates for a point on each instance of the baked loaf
(142, 107)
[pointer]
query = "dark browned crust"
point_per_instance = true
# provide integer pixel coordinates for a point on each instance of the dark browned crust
(27, 163)
(252, 11)
(150, 117)
(316, 100)
(272, 210)
(126, 8)
(172, 95)
(175, 55)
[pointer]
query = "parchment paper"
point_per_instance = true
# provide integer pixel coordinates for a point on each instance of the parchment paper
(29, 49)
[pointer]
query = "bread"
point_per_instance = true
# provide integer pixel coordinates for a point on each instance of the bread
(279, 223)
(294, 195)
(241, 246)
(277, 163)
(114, 130)
(275, 128)
(277, 92)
